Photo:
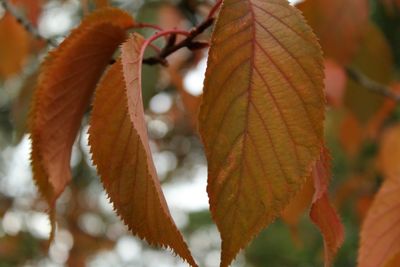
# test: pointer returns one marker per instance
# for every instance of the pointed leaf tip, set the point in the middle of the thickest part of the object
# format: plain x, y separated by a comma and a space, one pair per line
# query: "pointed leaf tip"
322, 213
261, 119
66, 82
120, 150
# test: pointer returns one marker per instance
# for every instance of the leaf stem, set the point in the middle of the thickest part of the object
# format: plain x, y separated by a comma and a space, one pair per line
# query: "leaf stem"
214, 9
171, 47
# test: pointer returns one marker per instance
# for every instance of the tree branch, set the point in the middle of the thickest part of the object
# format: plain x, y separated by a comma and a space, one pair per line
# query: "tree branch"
373, 86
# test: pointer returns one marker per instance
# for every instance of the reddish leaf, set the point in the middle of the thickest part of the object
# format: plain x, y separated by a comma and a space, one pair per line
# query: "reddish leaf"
261, 119
322, 212
339, 24
120, 148
380, 233
67, 80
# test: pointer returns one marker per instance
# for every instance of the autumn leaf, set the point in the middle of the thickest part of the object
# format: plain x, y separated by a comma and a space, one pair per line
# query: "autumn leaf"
297, 207
380, 232
14, 46
21, 105
394, 261
339, 24
389, 153
377, 122
351, 135
261, 119
120, 149
322, 212
66, 83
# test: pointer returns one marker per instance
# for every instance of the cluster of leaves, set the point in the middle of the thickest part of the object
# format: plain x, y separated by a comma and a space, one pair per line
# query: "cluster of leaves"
261, 119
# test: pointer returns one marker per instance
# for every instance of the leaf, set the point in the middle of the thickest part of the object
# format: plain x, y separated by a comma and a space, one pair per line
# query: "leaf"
322, 213
376, 123
351, 135
261, 119
375, 60
14, 46
394, 261
296, 208
335, 83
339, 24
389, 154
380, 232
66, 83
120, 148
20, 108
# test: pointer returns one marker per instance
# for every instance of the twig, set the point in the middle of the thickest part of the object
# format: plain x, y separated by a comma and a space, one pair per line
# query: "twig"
25, 23
371, 85
188, 42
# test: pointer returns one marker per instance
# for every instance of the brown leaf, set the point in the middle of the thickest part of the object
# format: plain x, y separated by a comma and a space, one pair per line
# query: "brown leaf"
66, 83
339, 24
21, 105
322, 212
351, 135
380, 233
120, 148
261, 119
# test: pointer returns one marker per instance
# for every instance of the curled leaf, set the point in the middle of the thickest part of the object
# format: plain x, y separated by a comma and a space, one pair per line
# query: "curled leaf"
66, 83
322, 212
120, 149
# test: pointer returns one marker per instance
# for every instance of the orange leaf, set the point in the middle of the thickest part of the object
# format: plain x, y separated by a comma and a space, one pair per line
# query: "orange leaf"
296, 208
261, 119
120, 148
351, 135
322, 212
394, 261
66, 83
339, 24
14, 46
376, 123
389, 154
380, 233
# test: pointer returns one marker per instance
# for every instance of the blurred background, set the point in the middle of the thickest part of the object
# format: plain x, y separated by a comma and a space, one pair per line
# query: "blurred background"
90, 234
